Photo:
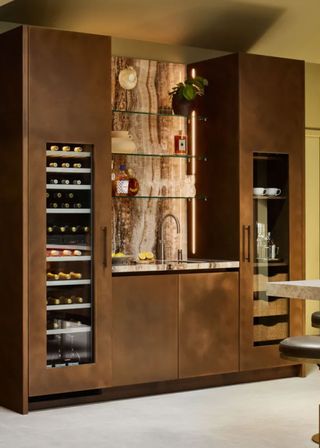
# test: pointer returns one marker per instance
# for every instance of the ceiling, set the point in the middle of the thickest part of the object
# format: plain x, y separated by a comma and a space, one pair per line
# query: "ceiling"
286, 28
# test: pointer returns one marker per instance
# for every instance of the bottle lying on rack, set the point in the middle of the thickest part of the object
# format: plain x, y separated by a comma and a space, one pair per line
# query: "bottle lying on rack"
65, 205
66, 148
63, 253
65, 181
65, 165
60, 195
65, 300
79, 229
64, 276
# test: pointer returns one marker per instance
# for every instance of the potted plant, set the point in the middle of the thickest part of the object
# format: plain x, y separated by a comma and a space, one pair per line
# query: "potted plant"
184, 93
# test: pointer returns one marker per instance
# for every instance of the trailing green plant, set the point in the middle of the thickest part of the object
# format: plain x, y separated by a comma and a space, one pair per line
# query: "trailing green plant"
190, 88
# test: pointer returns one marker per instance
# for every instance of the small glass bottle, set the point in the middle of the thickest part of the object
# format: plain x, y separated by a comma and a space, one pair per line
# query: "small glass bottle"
180, 143
133, 183
122, 182
271, 248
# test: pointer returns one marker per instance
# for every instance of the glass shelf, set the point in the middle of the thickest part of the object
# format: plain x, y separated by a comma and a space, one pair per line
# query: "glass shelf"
271, 264
265, 197
157, 114
141, 154
202, 198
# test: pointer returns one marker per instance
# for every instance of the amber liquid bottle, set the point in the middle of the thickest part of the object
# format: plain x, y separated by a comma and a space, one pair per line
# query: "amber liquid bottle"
133, 183
180, 143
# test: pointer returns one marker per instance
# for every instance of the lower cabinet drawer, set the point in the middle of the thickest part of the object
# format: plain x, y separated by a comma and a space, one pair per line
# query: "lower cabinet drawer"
267, 333
270, 308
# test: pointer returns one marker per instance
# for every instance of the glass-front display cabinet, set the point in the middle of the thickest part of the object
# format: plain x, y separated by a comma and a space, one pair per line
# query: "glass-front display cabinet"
271, 246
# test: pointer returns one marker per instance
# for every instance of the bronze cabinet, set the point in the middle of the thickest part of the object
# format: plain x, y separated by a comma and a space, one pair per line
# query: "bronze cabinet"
145, 329
59, 203
208, 323
254, 138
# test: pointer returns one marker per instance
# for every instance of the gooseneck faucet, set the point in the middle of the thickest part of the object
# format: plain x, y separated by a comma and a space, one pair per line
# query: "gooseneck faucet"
169, 215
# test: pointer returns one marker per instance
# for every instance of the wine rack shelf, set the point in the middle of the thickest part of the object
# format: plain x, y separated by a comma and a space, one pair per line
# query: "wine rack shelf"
68, 282
68, 170
69, 210
68, 154
80, 329
68, 187
74, 306
70, 258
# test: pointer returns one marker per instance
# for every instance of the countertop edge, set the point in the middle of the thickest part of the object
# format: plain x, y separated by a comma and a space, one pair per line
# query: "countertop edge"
176, 268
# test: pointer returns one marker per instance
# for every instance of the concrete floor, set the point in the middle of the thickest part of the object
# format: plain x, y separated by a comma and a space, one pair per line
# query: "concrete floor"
273, 414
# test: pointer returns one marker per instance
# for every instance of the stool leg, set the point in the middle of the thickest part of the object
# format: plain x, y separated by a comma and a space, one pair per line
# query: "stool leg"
316, 437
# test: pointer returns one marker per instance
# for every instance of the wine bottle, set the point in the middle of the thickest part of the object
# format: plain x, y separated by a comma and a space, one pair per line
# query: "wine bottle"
76, 182
54, 181
78, 149
57, 195
86, 229
65, 205
65, 165
77, 205
65, 181
63, 229
53, 205
66, 148
53, 165
74, 229
53, 229
77, 165
47, 195
69, 195
54, 148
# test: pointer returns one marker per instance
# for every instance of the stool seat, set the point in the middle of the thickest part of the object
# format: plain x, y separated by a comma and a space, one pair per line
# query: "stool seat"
302, 347
315, 319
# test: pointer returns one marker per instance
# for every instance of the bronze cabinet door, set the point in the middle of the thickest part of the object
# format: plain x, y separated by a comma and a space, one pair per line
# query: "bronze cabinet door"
271, 226
145, 329
208, 324
69, 105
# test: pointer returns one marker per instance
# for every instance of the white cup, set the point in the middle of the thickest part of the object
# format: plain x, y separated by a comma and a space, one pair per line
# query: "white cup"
259, 191
273, 191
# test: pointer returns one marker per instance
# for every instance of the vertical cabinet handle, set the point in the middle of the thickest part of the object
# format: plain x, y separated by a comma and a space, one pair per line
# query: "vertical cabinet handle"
246, 243
105, 246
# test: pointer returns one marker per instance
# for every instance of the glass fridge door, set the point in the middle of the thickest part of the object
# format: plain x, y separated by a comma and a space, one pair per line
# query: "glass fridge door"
69, 254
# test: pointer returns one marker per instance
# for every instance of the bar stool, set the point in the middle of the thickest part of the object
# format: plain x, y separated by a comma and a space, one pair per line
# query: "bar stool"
302, 349
315, 319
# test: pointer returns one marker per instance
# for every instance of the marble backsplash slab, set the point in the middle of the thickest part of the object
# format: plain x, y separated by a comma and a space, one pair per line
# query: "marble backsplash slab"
136, 221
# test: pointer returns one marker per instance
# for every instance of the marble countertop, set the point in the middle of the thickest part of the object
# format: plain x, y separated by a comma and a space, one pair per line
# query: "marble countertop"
299, 289
170, 266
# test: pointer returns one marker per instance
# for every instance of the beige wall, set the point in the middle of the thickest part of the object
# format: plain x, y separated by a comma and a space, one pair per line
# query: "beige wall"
312, 185
312, 74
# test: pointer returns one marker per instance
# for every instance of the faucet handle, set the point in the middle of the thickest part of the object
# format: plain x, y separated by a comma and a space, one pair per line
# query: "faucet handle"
179, 254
